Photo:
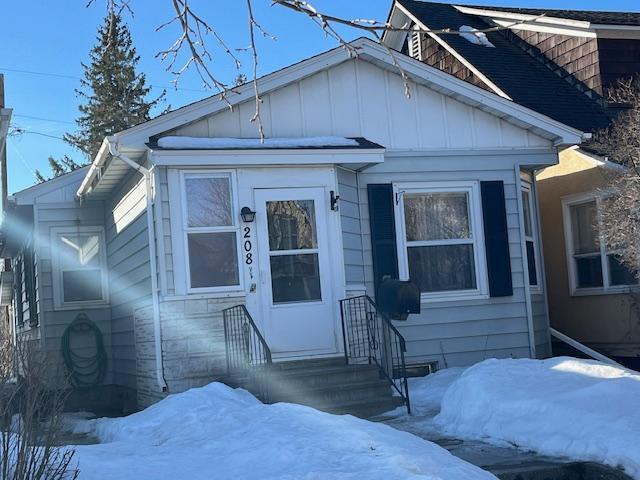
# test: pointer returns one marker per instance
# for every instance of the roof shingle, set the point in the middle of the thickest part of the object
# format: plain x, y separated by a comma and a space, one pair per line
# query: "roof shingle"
517, 73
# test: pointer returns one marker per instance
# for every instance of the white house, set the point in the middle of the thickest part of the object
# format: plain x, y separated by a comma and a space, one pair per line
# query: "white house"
354, 182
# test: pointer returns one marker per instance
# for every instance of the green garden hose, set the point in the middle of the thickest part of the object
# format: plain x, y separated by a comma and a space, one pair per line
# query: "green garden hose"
84, 371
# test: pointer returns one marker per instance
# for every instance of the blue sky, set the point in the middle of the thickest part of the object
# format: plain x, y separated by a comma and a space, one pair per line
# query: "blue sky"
49, 39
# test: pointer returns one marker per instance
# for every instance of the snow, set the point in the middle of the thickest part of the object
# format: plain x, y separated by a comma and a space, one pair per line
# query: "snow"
222, 433
426, 393
173, 142
474, 36
580, 409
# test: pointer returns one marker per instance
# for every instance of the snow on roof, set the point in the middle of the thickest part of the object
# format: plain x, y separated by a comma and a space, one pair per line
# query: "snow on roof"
474, 36
188, 143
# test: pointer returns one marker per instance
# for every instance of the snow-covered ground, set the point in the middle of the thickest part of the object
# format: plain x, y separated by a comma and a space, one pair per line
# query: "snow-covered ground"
563, 407
222, 433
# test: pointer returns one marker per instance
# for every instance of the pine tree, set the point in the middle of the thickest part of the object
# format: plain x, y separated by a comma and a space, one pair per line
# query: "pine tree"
58, 167
114, 94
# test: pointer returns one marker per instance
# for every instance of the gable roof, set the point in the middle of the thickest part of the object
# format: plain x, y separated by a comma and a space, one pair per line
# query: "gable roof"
135, 139
591, 16
514, 72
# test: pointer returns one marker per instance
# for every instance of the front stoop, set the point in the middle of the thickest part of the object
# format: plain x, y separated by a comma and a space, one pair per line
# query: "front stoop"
331, 386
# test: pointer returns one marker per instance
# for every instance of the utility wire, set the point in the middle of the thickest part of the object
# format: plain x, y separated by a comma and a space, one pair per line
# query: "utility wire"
31, 117
73, 77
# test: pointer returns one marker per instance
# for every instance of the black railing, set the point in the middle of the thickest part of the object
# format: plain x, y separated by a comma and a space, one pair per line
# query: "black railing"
247, 352
370, 337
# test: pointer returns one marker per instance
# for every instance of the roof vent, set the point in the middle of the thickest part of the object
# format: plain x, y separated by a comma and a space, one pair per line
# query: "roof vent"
474, 36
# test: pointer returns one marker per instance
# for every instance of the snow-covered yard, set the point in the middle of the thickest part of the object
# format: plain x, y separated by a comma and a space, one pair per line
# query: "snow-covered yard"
561, 407
217, 432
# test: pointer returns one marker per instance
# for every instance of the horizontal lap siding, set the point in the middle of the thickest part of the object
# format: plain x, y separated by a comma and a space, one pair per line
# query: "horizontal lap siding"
351, 230
129, 271
54, 322
461, 332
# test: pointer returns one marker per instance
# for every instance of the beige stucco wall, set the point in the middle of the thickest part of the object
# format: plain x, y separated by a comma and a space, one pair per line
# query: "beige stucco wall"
610, 323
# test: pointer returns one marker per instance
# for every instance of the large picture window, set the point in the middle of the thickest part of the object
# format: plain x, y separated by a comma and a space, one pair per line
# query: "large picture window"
80, 265
440, 239
210, 227
594, 267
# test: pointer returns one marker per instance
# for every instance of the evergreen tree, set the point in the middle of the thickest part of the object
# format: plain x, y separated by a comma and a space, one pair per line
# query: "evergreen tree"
58, 167
114, 94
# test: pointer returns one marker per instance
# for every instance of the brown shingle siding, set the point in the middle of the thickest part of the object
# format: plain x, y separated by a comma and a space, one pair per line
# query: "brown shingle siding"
575, 55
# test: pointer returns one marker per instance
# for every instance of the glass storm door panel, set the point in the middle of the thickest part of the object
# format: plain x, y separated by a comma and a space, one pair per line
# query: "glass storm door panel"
293, 251
295, 275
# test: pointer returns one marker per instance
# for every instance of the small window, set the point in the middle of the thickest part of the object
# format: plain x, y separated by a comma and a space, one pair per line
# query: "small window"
594, 267
211, 231
442, 249
80, 264
530, 236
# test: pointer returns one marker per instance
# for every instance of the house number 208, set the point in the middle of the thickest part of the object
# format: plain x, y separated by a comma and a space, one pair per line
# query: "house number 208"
248, 257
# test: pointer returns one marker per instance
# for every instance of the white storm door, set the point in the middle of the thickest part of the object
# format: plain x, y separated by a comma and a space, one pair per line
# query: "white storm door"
295, 271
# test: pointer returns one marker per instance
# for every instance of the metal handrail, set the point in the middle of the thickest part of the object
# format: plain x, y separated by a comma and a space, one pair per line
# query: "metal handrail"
247, 352
583, 348
370, 337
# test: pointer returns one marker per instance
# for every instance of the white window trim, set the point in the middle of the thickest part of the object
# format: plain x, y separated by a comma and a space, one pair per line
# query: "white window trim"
477, 233
607, 288
535, 237
58, 293
184, 230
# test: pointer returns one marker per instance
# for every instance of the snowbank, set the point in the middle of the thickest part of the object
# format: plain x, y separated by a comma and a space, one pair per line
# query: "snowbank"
581, 409
426, 393
250, 143
222, 433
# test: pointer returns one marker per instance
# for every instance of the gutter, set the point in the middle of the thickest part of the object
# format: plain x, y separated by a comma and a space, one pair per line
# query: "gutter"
148, 181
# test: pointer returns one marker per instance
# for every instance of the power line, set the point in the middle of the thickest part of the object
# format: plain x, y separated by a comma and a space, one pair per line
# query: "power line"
31, 117
20, 130
73, 77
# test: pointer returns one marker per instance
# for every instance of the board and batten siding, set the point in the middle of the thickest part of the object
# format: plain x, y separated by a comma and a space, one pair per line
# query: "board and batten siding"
127, 241
464, 331
359, 99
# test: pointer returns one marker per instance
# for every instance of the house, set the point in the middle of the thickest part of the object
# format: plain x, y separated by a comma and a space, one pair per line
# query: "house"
560, 63
190, 244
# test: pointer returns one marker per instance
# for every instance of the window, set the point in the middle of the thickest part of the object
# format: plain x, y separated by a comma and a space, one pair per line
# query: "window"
440, 239
80, 265
210, 225
594, 267
530, 236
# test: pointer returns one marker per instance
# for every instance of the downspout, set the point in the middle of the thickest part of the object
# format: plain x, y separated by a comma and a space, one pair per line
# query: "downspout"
157, 334
525, 265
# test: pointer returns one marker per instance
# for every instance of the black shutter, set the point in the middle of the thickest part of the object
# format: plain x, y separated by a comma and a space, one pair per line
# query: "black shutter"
496, 239
383, 232
30, 284
18, 290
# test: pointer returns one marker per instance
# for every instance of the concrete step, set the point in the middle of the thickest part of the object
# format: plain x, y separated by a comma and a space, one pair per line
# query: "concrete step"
366, 409
319, 377
328, 395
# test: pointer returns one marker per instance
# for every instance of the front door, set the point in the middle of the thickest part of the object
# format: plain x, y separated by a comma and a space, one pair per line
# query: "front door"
295, 271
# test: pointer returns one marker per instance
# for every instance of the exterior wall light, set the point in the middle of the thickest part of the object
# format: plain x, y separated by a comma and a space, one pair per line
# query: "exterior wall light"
248, 215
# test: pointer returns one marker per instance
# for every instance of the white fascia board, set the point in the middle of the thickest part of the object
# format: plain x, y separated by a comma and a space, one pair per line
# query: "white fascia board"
453, 52
397, 19
215, 158
480, 98
522, 17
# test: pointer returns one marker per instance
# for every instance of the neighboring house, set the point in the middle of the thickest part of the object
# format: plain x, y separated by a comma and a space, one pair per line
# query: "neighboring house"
6, 278
189, 214
559, 63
